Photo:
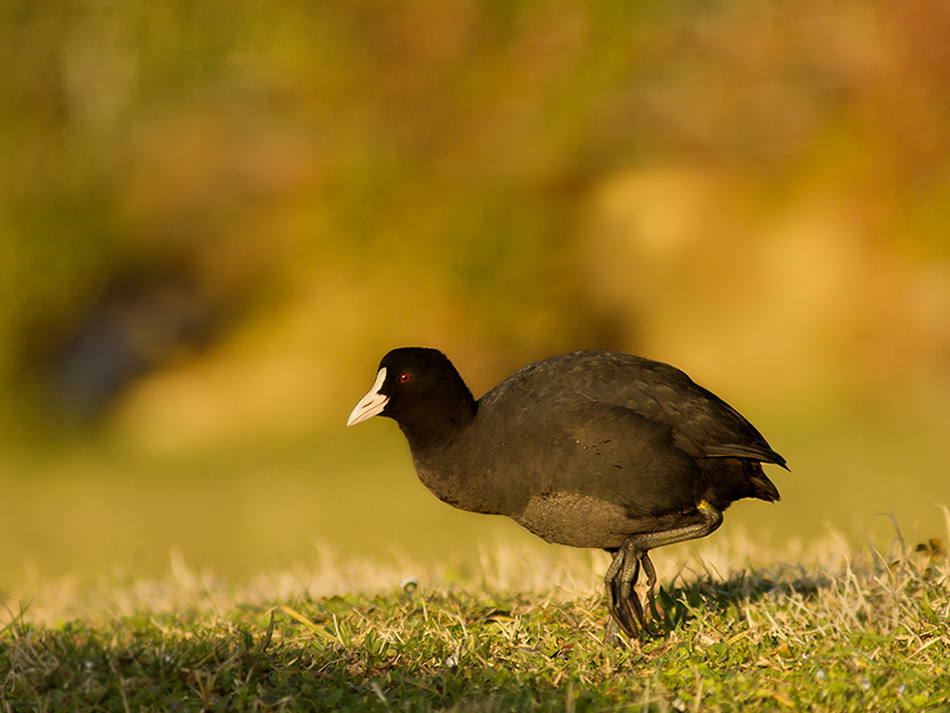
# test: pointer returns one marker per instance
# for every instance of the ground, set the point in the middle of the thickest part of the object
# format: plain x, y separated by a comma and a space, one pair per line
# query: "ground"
834, 630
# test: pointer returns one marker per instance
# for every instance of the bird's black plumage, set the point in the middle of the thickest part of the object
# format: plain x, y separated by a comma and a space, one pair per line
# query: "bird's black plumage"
590, 449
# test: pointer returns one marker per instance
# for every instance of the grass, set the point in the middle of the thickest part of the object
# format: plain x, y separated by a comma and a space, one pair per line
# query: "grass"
738, 629
84, 509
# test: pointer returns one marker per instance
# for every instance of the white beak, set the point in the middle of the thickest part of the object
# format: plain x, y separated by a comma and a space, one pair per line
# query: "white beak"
372, 403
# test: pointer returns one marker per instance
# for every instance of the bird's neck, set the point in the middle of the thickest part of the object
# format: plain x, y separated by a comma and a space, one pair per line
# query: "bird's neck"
440, 427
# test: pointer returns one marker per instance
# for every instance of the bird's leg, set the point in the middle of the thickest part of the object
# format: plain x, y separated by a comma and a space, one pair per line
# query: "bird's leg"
615, 599
625, 568
626, 611
629, 601
650, 571
612, 635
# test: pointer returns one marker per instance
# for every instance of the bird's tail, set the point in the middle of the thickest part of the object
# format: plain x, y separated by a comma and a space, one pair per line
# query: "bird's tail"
763, 488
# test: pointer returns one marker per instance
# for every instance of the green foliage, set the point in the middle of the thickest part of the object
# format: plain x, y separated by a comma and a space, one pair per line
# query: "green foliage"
456, 148
870, 636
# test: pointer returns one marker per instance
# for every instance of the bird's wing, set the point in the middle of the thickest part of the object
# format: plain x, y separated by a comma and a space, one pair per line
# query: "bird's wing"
703, 425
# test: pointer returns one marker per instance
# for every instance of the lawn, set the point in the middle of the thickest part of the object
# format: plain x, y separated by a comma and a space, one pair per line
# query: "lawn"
408, 604
826, 627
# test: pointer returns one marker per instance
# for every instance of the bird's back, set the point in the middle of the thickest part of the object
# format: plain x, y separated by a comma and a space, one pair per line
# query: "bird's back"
621, 424
703, 425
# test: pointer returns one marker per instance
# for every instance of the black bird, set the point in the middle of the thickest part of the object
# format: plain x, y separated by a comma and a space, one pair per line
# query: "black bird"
590, 449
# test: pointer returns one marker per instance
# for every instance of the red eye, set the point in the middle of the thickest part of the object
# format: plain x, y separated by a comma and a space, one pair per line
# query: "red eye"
404, 378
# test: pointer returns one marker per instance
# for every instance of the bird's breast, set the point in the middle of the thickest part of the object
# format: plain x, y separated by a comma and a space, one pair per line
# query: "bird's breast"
466, 485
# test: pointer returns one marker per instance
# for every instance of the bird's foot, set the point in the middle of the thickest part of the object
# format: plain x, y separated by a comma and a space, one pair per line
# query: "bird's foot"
616, 638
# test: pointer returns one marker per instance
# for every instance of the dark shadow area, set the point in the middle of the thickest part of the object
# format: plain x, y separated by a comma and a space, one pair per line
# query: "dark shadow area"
145, 316
347, 664
672, 607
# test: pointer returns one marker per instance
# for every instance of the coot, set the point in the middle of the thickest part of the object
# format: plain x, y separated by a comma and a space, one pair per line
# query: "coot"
590, 449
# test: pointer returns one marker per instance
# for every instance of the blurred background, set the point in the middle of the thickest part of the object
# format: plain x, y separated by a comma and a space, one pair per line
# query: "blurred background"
215, 218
